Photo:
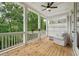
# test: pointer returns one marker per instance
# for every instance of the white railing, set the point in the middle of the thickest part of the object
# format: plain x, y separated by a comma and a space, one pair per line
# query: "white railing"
43, 33
35, 34
12, 39
32, 35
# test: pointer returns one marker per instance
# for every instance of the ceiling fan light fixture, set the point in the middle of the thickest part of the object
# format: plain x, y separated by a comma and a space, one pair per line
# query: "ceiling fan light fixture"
48, 9
49, 6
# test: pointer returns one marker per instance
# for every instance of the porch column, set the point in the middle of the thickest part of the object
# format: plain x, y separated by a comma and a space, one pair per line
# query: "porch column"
39, 25
75, 25
75, 18
47, 26
74, 30
24, 25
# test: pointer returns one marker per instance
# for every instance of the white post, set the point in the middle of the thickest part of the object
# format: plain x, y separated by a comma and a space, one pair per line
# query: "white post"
46, 26
39, 27
24, 24
74, 30
75, 23
38, 21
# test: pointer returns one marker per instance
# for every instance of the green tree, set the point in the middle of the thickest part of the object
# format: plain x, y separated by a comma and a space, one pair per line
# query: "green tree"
12, 16
33, 21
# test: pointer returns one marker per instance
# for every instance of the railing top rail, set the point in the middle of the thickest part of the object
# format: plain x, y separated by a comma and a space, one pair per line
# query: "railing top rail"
29, 32
12, 33
20, 32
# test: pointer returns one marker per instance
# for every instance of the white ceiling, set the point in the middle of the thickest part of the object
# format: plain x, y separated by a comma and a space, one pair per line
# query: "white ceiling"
62, 7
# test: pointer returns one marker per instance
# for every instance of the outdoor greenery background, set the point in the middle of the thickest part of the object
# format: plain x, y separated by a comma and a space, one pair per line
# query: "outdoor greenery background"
33, 22
11, 18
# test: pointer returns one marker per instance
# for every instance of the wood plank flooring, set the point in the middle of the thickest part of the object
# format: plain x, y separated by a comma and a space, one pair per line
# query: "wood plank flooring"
43, 47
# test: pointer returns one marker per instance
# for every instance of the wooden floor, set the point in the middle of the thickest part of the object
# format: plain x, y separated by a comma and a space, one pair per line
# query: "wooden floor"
43, 47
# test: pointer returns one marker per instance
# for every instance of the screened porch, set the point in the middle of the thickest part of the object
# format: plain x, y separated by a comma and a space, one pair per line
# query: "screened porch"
28, 30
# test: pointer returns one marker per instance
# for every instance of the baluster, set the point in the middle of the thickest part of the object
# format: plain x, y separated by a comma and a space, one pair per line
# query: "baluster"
17, 39
20, 38
2, 42
5, 41
35, 35
14, 39
28, 36
9, 40
25, 36
31, 36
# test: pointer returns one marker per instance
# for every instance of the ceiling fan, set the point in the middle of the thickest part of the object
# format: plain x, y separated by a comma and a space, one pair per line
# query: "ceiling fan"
49, 6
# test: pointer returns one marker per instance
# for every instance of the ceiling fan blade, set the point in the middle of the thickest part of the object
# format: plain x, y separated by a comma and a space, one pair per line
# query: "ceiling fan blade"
48, 4
51, 3
43, 9
54, 7
43, 6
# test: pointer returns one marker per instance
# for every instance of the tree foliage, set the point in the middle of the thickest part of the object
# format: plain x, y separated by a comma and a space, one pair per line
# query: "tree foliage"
11, 19
32, 21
